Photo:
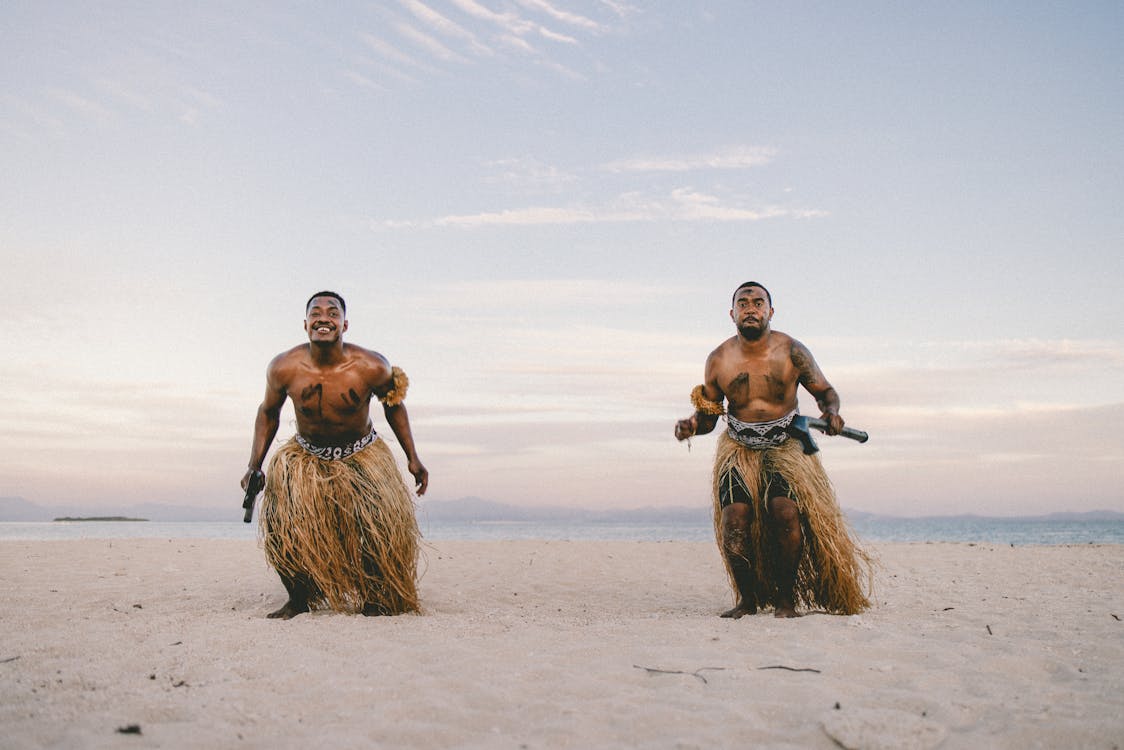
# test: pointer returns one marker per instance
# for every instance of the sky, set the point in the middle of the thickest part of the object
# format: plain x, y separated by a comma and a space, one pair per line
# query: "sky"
539, 210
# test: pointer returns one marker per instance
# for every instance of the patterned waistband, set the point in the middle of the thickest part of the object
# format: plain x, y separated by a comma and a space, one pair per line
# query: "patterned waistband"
759, 436
336, 452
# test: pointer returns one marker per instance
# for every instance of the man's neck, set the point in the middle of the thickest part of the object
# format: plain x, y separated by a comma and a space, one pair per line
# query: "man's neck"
325, 355
751, 345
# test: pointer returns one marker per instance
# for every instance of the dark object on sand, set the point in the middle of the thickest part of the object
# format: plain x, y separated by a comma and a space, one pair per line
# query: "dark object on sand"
253, 487
130, 729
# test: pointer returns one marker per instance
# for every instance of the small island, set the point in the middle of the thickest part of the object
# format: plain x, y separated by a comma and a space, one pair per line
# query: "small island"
99, 518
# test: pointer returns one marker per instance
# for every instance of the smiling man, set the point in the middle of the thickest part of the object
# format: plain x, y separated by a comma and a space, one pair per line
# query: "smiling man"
337, 520
782, 536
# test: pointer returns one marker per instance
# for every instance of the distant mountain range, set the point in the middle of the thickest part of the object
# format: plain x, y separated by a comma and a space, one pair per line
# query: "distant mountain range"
19, 509
463, 510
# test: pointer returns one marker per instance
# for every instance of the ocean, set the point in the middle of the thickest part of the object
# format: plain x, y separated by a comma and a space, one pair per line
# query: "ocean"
1016, 531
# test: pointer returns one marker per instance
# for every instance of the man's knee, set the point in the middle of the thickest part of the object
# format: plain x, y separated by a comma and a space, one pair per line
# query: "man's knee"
783, 511
737, 515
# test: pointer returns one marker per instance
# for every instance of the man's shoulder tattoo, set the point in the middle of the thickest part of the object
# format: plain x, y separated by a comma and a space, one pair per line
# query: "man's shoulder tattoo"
802, 359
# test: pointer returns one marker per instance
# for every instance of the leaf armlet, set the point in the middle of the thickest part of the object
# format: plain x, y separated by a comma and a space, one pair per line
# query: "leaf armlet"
703, 404
397, 394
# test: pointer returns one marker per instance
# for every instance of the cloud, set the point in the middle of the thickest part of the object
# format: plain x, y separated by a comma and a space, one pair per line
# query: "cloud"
622, 10
735, 157
518, 294
534, 216
390, 52
362, 81
429, 44
554, 36
125, 94
515, 27
27, 121
444, 26
85, 107
682, 204
696, 206
561, 15
468, 29
527, 172
895, 382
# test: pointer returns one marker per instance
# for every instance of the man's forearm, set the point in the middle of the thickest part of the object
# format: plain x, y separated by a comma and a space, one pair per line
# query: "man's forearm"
265, 429
399, 420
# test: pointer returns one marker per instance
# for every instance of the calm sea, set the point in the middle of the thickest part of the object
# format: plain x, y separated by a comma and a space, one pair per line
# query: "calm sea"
991, 530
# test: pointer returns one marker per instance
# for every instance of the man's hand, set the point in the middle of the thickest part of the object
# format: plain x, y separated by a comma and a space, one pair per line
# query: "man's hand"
686, 428
246, 478
834, 422
420, 474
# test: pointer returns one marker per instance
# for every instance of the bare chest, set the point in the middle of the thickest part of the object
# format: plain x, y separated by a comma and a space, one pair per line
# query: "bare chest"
749, 382
329, 396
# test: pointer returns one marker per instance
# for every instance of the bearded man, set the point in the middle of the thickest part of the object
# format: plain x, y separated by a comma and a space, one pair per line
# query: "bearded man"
783, 538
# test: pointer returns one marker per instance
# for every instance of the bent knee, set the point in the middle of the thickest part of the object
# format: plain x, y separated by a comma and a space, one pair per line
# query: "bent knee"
736, 515
783, 510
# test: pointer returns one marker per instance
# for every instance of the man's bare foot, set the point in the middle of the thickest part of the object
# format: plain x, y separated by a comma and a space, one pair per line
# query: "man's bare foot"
785, 610
740, 611
370, 609
288, 611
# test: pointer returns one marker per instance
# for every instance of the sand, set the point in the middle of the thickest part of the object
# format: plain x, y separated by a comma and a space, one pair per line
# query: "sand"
558, 644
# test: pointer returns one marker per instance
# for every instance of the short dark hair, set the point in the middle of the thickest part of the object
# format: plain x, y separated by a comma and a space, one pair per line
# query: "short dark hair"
744, 284
343, 305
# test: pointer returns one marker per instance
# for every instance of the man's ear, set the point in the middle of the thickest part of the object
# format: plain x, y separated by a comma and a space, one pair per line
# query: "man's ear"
344, 326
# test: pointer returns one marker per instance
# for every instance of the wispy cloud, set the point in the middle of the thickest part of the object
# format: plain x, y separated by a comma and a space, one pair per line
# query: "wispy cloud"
192, 102
558, 14
516, 294
429, 44
514, 26
682, 204
695, 206
735, 157
456, 32
125, 94
621, 9
393, 62
362, 81
905, 380
28, 120
528, 173
444, 26
535, 215
87, 108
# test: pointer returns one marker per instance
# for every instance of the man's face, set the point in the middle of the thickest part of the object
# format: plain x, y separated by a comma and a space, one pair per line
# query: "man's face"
751, 312
325, 321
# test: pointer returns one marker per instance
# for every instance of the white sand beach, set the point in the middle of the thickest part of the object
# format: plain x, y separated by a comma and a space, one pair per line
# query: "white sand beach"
558, 644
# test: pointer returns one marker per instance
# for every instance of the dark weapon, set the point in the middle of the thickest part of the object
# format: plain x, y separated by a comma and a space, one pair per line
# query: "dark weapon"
799, 429
253, 487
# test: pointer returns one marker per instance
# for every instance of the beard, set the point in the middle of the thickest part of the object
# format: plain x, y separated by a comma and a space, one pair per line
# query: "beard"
752, 332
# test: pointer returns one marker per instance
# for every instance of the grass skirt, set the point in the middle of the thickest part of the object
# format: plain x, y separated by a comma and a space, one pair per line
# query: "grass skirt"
346, 528
834, 572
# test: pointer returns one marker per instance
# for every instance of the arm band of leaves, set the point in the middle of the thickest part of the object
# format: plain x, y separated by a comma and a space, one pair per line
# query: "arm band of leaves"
703, 404
397, 394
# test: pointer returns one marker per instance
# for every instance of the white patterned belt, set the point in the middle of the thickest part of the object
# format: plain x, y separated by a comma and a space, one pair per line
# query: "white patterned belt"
336, 452
759, 436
